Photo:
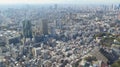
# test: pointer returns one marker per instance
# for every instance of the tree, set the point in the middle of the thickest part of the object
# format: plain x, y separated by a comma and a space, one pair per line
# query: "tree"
116, 64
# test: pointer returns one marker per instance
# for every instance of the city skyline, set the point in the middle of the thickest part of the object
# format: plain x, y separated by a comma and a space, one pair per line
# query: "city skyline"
50, 33
59, 2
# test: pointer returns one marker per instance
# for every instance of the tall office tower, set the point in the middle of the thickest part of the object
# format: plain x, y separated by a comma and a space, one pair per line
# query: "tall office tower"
59, 24
43, 27
119, 6
52, 31
113, 7
55, 6
27, 29
118, 16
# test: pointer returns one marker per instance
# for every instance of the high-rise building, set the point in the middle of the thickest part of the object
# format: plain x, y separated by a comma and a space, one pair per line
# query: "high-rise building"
52, 31
27, 29
58, 23
119, 6
41, 30
43, 27
55, 6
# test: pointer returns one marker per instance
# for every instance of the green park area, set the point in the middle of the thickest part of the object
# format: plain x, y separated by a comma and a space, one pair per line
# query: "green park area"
108, 39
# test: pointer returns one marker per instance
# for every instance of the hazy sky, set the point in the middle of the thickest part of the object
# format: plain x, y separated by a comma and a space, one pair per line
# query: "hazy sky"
59, 1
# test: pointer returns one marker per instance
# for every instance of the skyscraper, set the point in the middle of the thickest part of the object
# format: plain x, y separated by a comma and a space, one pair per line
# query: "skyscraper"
59, 23
27, 29
43, 27
55, 6
41, 30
